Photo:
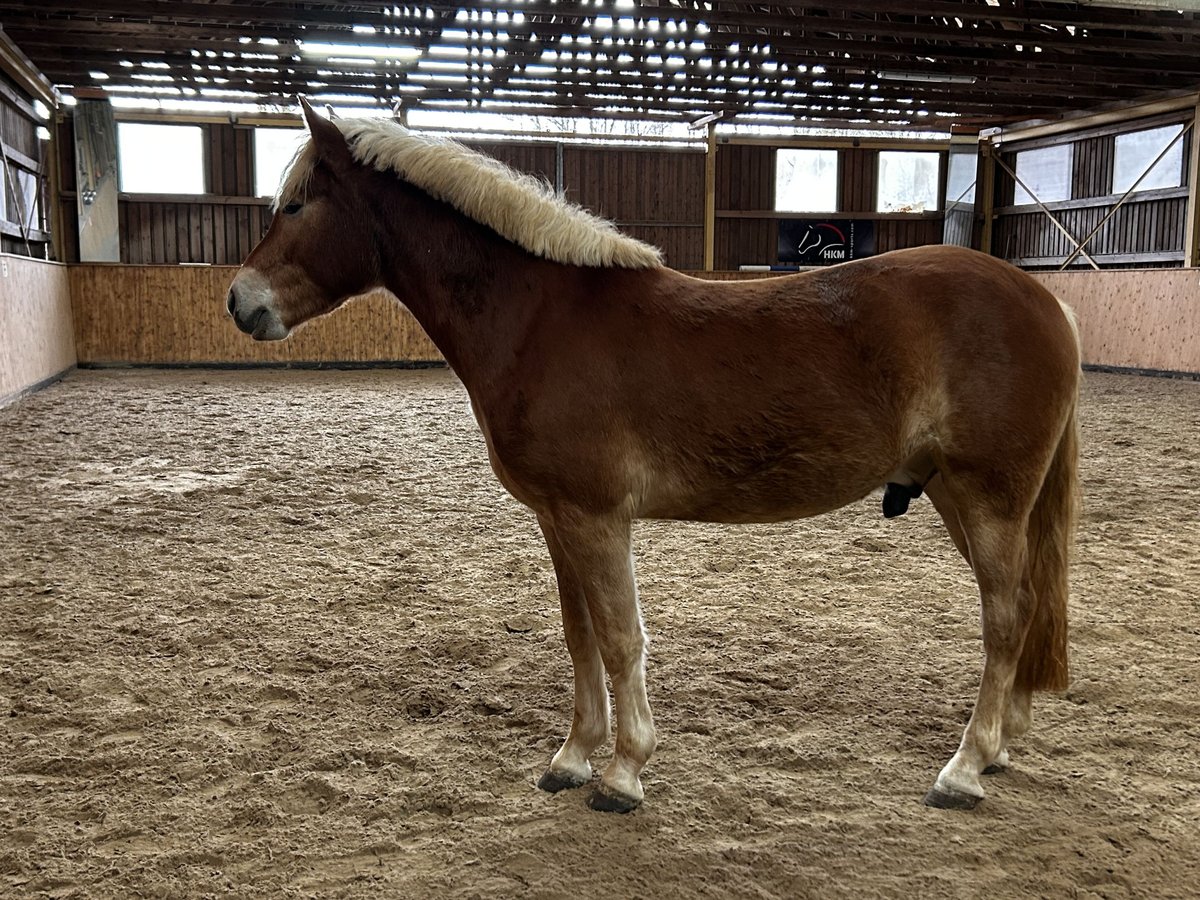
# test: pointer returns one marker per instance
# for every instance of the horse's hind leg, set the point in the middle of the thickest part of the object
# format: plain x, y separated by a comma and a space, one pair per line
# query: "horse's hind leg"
935, 489
1018, 713
1017, 719
589, 726
998, 550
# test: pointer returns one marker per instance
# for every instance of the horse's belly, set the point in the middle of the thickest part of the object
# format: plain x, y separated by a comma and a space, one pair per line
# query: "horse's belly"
777, 495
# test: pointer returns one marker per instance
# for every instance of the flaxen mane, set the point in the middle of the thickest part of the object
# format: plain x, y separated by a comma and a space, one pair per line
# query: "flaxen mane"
520, 208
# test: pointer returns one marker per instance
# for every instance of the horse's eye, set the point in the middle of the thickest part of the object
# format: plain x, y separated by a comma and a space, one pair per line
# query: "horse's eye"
292, 208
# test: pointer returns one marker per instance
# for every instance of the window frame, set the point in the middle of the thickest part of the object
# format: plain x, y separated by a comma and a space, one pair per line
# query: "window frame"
938, 188
1176, 144
965, 198
1069, 147
837, 181
205, 187
299, 132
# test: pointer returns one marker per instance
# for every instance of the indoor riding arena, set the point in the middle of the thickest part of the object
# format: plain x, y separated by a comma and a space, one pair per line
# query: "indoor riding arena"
271, 625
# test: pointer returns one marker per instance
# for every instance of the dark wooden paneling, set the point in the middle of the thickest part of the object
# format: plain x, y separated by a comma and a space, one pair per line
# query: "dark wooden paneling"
174, 231
742, 242
1092, 167
897, 234
745, 181
654, 195
745, 177
1152, 229
24, 222
858, 170
533, 159
216, 159
959, 225
1147, 230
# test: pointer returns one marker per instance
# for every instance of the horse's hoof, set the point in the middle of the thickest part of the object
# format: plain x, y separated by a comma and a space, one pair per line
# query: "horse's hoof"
552, 782
602, 801
950, 799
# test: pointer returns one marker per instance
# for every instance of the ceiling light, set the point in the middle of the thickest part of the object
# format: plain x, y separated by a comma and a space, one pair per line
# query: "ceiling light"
377, 52
927, 77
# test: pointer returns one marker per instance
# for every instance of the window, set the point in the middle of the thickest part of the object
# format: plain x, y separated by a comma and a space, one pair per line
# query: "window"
806, 180
21, 206
1047, 171
908, 181
273, 150
1136, 150
960, 178
160, 159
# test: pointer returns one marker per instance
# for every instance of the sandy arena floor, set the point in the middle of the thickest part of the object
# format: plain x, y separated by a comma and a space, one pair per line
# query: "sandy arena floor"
281, 634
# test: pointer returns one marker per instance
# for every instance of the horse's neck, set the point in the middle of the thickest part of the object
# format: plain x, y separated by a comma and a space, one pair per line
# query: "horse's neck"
473, 293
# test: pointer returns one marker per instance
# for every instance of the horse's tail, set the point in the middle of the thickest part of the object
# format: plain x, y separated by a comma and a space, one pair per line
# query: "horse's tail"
1043, 663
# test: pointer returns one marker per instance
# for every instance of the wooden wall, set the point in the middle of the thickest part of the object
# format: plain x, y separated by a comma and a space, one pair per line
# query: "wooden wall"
219, 227
175, 315
1148, 230
216, 230
655, 195
172, 315
747, 227
24, 226
36, 339
1142, 319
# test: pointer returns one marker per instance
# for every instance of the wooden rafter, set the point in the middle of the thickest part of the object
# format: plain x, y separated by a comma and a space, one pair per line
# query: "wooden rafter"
961, 60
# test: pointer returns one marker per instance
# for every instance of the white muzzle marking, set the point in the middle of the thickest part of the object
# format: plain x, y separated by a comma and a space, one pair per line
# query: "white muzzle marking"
252, 305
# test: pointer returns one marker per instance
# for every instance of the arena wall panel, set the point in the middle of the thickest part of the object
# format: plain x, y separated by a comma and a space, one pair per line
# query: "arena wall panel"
36, 338
1142, 319
175, 315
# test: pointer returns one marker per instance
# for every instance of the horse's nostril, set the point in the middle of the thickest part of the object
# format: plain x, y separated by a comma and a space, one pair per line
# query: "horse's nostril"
231, 302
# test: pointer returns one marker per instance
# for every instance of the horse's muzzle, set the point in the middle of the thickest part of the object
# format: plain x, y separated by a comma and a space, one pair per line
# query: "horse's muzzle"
251, 322
245, 318
252, 308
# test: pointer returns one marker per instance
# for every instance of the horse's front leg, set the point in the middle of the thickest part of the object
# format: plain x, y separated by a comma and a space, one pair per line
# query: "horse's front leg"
589, 725
597, 551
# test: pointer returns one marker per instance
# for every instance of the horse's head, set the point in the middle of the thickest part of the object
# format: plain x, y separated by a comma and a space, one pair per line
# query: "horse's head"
319, 250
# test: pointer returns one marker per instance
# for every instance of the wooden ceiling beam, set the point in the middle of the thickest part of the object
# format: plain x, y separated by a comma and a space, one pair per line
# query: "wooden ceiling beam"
1106, 67
76, 70
1061, 75
1020, 13
811, 32
1126, 53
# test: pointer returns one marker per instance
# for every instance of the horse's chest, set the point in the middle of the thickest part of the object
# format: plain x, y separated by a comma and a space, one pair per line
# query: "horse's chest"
505, 453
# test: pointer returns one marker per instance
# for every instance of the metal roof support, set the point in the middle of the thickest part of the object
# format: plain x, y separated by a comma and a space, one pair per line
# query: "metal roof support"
1049, 215
1133, 187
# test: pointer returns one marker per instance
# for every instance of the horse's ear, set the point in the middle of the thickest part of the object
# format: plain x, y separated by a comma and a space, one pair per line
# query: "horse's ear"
327, 138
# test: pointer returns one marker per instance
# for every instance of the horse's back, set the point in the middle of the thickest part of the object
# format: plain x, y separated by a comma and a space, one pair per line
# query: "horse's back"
929, 324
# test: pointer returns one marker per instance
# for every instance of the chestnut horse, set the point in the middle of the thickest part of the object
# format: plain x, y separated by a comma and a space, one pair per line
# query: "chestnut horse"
610, 388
